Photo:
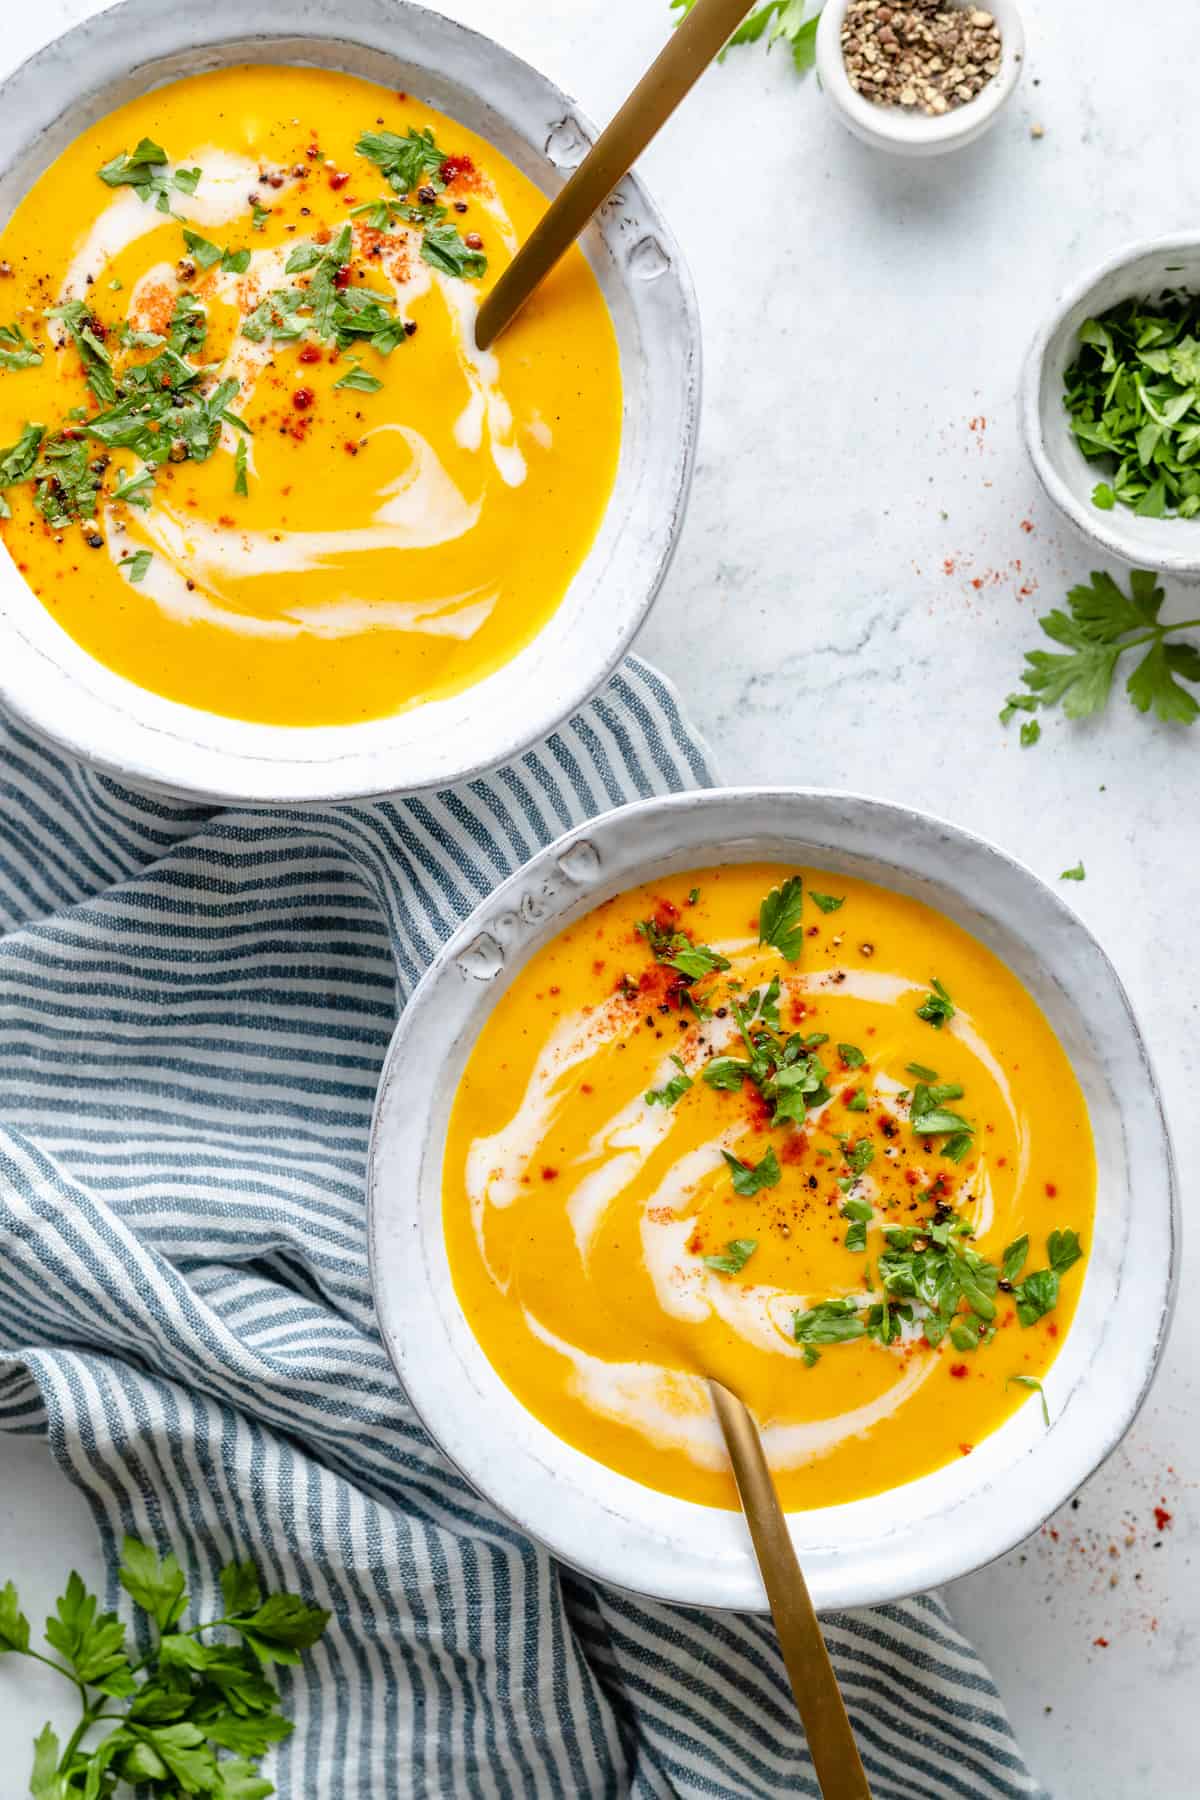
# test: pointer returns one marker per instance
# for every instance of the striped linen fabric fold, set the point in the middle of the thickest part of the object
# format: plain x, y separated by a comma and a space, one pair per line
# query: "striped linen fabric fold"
194, 1006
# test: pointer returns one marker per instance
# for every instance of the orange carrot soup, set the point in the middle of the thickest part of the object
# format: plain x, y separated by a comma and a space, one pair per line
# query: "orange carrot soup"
788, 1129
250, 456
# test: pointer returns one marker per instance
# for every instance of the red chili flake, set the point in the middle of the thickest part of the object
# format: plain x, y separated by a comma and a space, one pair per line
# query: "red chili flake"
1052, 1330
456, 166
1100, 1643
350, 447
1026, 524
959, 1372
794, 1148
342, 278
585, 1087
848, 1093
949, 565
666, 915
549, 1174
1162, 1518
977, 583
965, 1449
556, 990
303, 398
338, 178
310, 354
1051, 1190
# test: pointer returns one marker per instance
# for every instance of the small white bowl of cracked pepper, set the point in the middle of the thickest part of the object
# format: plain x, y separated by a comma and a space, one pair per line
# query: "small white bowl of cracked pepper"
919, 77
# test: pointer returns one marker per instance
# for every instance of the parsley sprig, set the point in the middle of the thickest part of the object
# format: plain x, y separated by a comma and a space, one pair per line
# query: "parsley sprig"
790, 22
1102, 625
190, 1716
144, 169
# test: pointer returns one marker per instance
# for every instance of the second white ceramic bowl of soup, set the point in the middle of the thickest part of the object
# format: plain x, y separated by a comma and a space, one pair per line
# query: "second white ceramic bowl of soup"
895, 1542
67, 696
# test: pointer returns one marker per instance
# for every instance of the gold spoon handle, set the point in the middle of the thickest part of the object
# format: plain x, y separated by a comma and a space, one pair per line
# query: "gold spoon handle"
691, 48
822, 1711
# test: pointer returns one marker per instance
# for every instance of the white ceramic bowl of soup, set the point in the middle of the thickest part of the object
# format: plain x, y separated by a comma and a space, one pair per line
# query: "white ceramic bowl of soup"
902, 1540
67, 697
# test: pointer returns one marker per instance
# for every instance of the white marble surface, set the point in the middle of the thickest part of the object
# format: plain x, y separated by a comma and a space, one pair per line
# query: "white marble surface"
823, 623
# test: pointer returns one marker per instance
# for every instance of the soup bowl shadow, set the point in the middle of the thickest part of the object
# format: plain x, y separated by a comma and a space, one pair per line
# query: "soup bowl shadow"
873, 1550
67, 698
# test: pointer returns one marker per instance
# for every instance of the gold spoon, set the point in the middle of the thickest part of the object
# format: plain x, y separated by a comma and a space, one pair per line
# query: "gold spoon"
674, 71
831, 1742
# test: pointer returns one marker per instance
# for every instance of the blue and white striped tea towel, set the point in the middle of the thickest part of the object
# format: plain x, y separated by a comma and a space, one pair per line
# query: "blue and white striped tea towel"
194, 1007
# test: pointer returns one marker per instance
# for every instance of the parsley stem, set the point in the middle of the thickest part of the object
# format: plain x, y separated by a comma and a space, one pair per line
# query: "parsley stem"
73, 1679
91, 1716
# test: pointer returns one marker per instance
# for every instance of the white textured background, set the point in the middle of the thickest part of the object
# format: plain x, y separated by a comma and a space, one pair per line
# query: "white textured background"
824, 623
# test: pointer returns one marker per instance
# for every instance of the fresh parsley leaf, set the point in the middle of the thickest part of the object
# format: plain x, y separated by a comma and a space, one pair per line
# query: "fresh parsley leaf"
1013, 1260
725, 1072
1078, 873
1031, 731
361, 380
937, 1009
281, 1627
921, 1071
928, 1113
860, 1156
785, 21
156, 1584
750, 1178
235, 262
779, 919
829, 1322
14, 1626
733, 1259
1063, 1250
858, 1102
92, 1643
851, 1055
860, 1213
674, 1090
443, 247
1031, 1381
45, 1782
259, 217
241, 479
240, 1588
83, 331
137, 565
826, 902
406, 161
204, 254
135, 489
1036, 1296
138, 168
812, 1356
16, 350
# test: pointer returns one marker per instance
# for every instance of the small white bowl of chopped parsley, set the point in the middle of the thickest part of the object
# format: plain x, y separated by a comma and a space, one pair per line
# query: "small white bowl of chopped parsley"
1110, 406
919, 77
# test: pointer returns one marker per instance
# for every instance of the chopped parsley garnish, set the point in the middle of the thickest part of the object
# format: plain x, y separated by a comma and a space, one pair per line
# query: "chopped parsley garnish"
259, 217
1133, 397
733, 1259
203, 253
135, 489
930, 1116
324, 307
779, 919
937, 1008
786, 1072
750, 1178
360, 379
407, 162
858, 1101
1031, 1381
144, 169
829, 1322
17, 462
16, 350
135, 566
1013, 1260
444, 248
241, 482
827, 902
1078, 873
860, 1213
96, 359
674, 1090
860, 1156
851, 1055
921, 1071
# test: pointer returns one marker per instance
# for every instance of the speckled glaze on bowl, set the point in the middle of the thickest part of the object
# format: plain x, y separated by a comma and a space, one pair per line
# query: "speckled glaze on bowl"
901, 129
873, 1550
66, 697
1172, 546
